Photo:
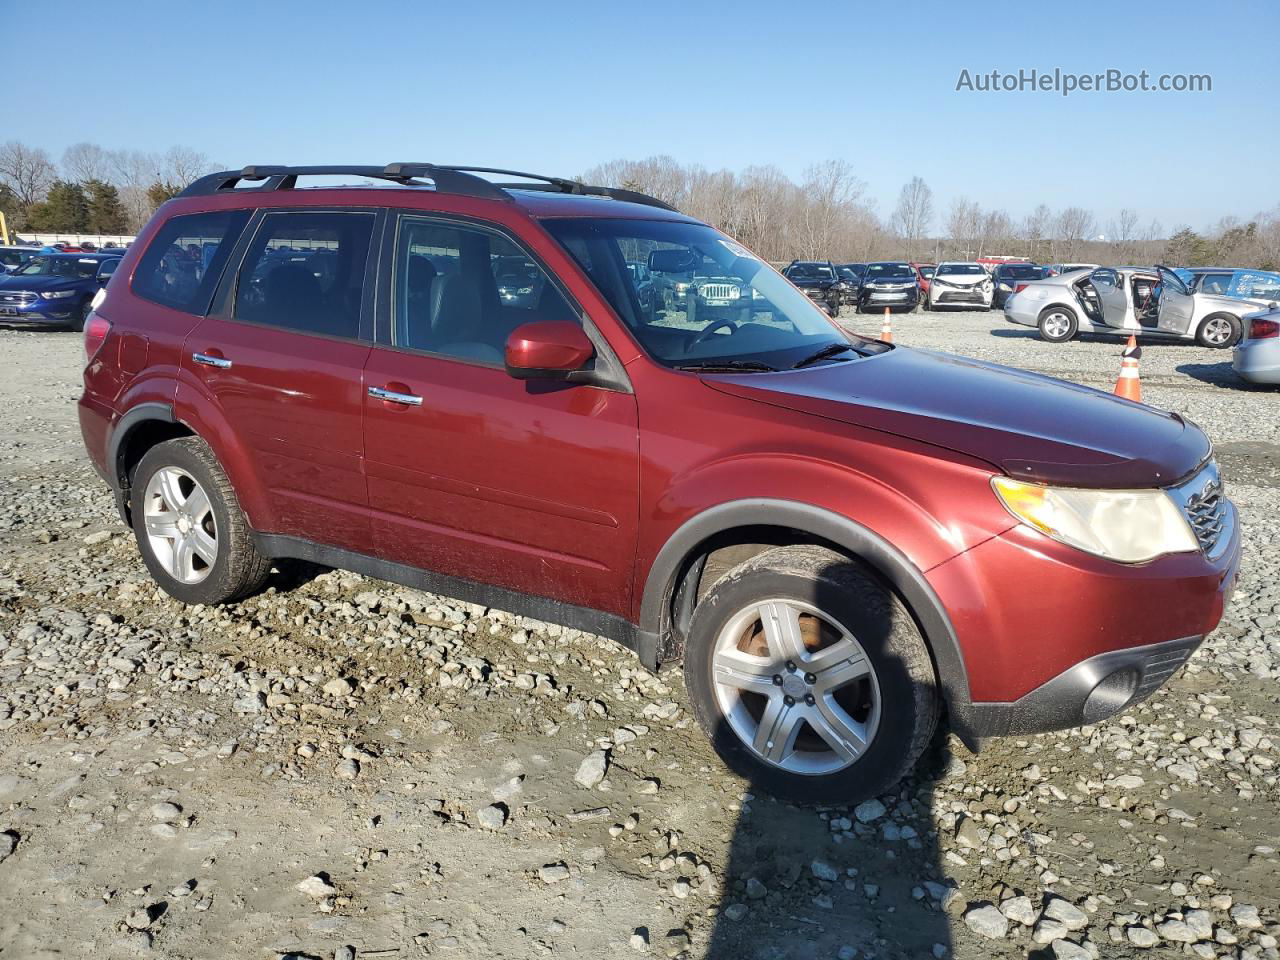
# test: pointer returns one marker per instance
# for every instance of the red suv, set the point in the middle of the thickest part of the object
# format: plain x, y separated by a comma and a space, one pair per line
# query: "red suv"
460, 385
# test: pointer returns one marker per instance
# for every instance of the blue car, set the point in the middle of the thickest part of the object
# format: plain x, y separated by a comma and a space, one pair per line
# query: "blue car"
1240, 284
55, 289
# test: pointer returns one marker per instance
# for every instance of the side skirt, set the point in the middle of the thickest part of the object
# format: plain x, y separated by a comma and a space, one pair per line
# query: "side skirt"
643, 643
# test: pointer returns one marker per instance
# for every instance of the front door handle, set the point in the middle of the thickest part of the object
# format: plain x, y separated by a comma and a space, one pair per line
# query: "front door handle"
382, 393
222, 363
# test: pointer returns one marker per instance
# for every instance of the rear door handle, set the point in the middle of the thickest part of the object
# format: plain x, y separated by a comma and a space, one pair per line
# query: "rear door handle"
222, 363
382, 393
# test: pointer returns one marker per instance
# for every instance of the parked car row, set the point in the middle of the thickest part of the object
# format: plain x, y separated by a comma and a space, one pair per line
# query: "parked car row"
55, 289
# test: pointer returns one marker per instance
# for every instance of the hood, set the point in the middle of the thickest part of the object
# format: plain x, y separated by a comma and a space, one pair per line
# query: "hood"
10, 281
962, 279
1025, 424
812, 281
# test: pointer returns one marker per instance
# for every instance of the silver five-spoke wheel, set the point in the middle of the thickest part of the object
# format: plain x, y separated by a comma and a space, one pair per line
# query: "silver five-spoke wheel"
796, 687
1217, 331
180, 525
1057, 325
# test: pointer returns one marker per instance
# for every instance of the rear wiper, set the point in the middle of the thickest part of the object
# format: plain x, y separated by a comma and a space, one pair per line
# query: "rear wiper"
830, 350
728, 365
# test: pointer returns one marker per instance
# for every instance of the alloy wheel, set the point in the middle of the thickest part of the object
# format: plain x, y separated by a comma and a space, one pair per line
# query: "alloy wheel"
1057, 325
796, 687
181, 528
1217, 331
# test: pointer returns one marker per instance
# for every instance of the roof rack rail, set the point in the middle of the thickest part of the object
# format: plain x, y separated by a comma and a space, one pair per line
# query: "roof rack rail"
447, 179
286, 178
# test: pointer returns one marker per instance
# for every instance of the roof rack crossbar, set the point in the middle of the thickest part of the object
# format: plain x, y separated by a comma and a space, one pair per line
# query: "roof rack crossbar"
447, 179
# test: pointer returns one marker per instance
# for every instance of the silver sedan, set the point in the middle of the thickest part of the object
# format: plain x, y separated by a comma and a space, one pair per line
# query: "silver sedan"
1257, 356
1149, 301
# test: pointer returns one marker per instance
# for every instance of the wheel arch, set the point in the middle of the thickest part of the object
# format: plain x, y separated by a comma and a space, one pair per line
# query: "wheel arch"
669, 588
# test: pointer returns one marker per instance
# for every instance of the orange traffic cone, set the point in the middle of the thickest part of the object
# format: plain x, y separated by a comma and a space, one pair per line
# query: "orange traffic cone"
886, 328
1128, 385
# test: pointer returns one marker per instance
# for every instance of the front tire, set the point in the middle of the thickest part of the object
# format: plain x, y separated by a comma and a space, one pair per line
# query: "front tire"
190, 530
82, 316
810, 677
1218, 331
1057, 324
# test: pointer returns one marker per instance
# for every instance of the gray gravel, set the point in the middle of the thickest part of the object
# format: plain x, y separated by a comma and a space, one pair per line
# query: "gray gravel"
339, 767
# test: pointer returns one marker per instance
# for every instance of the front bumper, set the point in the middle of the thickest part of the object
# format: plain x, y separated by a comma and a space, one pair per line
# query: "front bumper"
872, 299
1053, 637
958, 297
41, 311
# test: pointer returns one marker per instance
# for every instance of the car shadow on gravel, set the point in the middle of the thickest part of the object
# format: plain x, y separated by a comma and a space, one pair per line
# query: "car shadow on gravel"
1222, 375
806, 883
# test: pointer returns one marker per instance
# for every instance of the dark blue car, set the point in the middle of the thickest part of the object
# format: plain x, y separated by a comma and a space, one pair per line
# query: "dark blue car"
55, 289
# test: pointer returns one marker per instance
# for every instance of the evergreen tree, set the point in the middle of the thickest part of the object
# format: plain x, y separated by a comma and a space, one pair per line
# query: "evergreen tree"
65, 210
1186, 248
106, 212
160, 192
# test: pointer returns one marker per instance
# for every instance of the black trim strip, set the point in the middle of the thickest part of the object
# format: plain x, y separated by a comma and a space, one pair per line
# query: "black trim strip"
645, 645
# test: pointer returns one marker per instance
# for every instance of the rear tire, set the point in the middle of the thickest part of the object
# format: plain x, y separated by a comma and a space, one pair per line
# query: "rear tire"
190, 530
810, 677
1218, 331
1057, 324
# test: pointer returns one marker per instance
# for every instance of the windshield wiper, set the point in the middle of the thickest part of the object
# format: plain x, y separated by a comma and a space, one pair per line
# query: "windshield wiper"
731, 366
830, 350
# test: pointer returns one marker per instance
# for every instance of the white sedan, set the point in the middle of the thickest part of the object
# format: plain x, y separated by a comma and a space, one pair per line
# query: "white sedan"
960, 283
1149, 301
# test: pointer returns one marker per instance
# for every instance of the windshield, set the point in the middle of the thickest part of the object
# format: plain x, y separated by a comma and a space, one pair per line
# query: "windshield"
809, 271
708, 301
1021, 271
857, 269
59, 267
960, 269
1255, 284
890, 271
926, 272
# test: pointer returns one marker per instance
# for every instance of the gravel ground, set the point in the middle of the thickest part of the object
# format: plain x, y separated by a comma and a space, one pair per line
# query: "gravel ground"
342, 768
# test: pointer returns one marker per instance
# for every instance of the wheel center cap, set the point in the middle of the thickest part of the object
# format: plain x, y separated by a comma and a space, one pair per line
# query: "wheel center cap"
793, 686
184, 525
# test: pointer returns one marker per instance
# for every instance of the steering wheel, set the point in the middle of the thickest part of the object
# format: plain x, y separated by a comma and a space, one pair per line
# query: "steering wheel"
712, 328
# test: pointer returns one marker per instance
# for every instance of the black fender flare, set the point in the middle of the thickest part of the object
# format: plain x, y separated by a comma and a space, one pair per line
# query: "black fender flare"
136, 416
859, 541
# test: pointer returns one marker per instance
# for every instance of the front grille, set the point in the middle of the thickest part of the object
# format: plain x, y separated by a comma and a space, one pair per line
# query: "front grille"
719, 291
18, 299
1207, 509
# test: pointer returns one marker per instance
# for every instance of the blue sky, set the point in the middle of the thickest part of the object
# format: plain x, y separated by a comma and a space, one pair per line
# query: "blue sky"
557, 87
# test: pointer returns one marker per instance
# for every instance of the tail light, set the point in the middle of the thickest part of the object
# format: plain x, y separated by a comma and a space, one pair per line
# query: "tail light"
96, 329
1264, 329
1019, 287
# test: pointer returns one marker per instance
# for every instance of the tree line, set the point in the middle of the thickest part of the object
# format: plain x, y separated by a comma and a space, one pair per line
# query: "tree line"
826, 214
91, 189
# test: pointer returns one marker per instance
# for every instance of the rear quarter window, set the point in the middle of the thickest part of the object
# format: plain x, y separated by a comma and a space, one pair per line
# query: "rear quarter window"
182, 265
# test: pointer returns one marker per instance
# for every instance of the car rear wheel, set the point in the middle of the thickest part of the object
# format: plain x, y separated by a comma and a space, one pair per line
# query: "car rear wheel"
1218, 331
1057, 324
190, 530
810, 677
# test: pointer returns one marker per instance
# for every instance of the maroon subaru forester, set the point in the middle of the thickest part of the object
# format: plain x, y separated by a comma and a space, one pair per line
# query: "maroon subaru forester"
577, 404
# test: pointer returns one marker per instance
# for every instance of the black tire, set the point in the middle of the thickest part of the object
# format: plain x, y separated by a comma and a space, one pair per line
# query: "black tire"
1051, 331
77, 325
1207, 334
238, 569
847, 593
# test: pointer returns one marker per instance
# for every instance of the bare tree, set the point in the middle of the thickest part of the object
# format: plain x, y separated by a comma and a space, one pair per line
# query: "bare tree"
1124, 236
27, 171
1074, 225
82, 162
913, 214
962, 226
1035, 228
994, 230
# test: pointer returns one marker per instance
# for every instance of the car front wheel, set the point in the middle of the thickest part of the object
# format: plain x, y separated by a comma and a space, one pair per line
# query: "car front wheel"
1057, 324
82, 316
190, 530
810, 677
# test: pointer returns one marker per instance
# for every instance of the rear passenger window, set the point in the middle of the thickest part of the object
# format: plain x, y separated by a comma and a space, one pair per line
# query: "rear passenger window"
182, 265
459, 291
306, 272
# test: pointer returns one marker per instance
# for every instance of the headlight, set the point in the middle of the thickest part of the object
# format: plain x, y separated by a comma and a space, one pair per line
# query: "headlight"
1128, 526
57, 294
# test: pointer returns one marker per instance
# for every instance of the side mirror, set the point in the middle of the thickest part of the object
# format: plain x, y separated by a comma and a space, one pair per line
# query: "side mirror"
547, 350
